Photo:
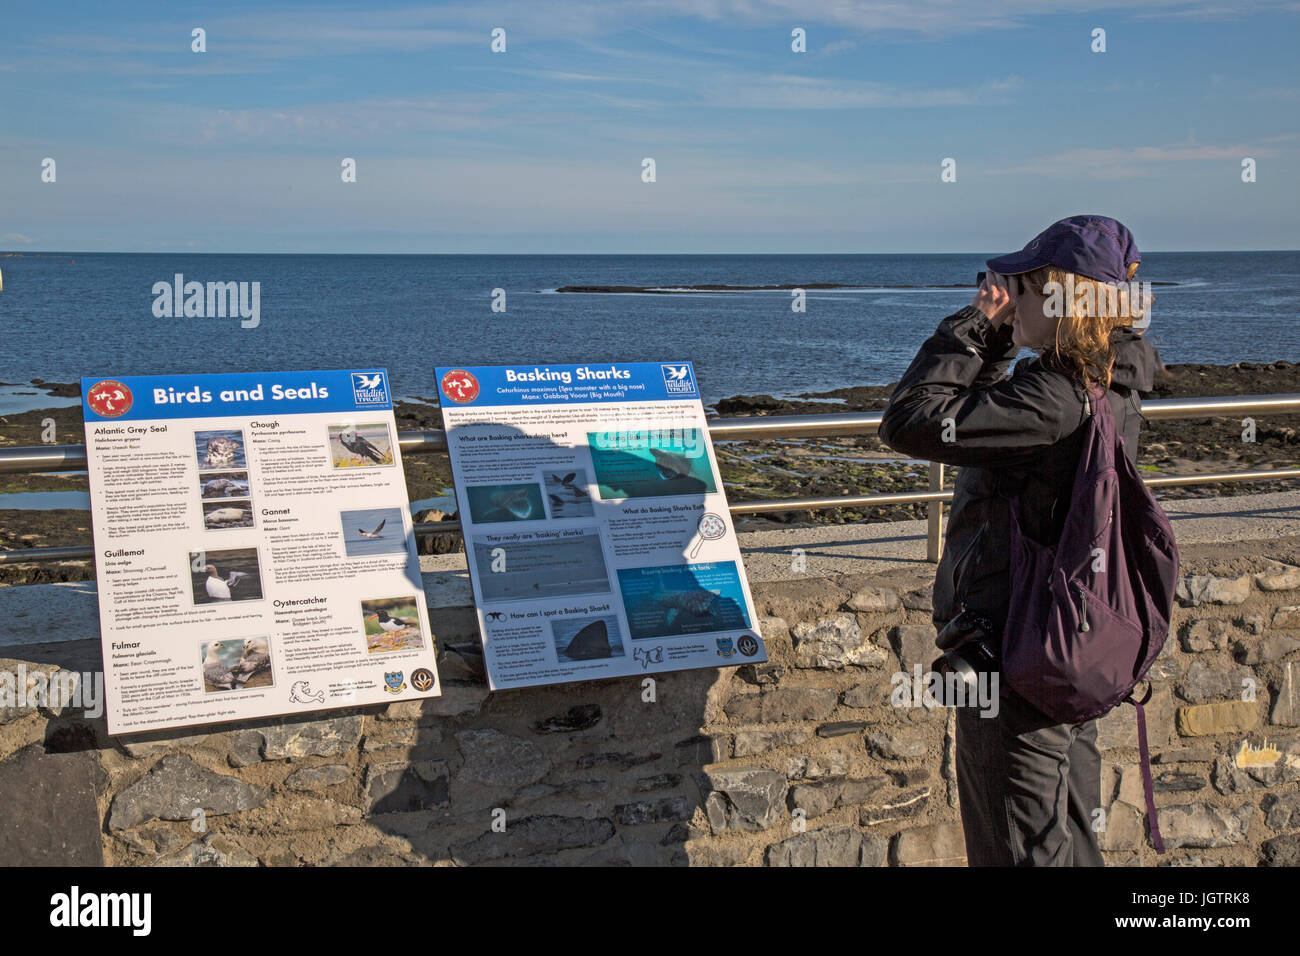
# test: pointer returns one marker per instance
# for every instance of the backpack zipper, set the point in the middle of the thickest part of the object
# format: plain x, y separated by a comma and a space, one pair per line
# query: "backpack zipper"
1083, 601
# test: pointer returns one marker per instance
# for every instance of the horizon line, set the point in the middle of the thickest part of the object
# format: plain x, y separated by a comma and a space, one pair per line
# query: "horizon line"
16, 253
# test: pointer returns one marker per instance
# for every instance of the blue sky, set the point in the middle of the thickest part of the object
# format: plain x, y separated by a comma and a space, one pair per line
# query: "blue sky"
539, 149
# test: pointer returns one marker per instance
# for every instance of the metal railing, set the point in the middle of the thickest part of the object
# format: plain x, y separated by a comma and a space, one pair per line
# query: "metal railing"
56, 458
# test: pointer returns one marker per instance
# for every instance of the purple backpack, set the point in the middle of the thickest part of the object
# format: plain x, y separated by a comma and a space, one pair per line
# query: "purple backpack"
1088, 617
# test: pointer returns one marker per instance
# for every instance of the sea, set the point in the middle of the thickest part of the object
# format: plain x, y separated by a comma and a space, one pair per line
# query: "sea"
65, 315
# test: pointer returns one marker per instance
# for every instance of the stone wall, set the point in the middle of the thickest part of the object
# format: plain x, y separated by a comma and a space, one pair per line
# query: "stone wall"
800, 761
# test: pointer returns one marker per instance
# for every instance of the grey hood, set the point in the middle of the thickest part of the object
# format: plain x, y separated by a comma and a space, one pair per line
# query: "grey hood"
1135, 360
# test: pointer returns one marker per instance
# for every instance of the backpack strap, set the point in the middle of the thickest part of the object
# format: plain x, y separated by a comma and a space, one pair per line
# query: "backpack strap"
1147, 786
1135, 400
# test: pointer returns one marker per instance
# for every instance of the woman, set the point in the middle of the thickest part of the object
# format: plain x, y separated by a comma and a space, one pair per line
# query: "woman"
1030, 789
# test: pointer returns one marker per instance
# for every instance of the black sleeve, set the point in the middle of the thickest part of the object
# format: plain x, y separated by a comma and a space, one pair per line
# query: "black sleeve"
956, 389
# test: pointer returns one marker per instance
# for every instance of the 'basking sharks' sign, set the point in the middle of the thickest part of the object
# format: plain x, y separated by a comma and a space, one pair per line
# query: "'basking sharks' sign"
597, 531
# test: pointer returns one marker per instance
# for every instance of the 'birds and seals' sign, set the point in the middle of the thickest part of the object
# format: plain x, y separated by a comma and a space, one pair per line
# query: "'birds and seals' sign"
255, 554
596, 528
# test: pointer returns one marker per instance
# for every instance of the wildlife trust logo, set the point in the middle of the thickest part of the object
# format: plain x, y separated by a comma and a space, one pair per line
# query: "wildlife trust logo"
678, 379
460, 386
109, 398
369, 388
422, 679
393, 682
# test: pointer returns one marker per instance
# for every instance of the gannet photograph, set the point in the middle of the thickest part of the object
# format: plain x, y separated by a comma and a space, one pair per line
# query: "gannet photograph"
224, 484
368, 531
566, 493
227, 514
235, 664
360, 445
391, 624
222, 448
221, 576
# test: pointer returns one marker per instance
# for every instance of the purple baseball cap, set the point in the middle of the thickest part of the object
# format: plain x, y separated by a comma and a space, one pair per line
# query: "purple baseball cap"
1094, 246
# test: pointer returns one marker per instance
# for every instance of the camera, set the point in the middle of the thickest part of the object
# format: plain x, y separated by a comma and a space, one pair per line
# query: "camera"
971, 645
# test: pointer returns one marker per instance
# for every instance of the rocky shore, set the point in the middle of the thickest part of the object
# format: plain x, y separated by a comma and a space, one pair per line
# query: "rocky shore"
774, 468
788, 468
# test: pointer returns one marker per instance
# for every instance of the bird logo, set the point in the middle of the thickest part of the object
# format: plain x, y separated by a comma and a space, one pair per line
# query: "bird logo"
460, 386
109, 398
369, 388
678, 379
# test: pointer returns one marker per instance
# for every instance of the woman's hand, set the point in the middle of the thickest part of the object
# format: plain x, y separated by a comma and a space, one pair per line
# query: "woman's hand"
994, 300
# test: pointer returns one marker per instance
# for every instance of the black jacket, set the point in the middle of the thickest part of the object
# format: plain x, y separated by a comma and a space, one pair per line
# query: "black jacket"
1021, 432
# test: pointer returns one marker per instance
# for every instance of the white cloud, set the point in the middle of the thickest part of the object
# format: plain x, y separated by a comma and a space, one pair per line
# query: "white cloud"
271, 36
785, 91
1125, 162
347, 122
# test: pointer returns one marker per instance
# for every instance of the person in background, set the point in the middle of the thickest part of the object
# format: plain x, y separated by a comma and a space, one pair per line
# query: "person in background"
1029, 789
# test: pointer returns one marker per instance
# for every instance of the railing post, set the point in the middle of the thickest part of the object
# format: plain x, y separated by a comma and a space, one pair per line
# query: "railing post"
934, 516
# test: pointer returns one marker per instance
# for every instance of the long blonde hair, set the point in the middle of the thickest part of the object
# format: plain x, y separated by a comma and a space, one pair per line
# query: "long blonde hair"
1089, 315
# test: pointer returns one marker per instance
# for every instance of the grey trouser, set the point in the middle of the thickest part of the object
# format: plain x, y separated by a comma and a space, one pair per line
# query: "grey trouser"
1028, 787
